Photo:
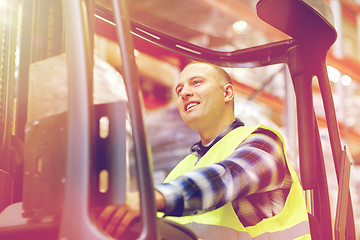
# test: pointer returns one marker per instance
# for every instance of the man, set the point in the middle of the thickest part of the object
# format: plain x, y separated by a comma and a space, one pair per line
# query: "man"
236, 183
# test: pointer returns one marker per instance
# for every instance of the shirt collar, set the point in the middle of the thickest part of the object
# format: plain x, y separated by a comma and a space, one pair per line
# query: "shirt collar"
200, 150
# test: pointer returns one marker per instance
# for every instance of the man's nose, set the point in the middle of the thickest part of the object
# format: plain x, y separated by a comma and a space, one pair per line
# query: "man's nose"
186, 92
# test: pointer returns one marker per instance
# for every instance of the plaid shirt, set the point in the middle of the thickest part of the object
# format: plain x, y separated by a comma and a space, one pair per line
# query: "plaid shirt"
254, 178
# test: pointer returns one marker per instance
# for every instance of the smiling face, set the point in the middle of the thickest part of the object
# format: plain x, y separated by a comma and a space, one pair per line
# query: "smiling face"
204, 97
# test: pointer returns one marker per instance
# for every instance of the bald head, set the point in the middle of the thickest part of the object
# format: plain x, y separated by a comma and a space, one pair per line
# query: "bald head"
222, 75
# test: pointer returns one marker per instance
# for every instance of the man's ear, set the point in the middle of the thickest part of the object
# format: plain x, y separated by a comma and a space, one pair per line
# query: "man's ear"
229, 92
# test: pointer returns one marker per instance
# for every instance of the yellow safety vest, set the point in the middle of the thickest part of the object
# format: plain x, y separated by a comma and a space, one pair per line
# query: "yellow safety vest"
223, 223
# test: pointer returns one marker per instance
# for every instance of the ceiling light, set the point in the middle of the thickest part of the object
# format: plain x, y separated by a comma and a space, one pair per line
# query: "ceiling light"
240, 26
334, 74
346, 80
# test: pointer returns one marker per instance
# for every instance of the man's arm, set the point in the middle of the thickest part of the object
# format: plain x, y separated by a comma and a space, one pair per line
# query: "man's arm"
256, 165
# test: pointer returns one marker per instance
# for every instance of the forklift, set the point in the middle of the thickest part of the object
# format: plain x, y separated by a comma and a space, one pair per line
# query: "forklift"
50, 167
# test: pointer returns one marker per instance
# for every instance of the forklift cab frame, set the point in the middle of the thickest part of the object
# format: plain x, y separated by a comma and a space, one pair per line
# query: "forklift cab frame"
310, 25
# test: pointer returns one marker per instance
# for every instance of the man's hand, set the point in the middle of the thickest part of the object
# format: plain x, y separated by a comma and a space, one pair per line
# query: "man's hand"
115, 219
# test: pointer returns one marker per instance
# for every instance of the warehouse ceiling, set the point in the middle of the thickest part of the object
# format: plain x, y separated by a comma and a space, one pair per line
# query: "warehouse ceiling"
224, 25
219, 25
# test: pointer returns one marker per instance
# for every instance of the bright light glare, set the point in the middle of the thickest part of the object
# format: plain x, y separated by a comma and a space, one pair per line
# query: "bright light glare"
346, 80
240, 26
334, 74
3, 4
136, 53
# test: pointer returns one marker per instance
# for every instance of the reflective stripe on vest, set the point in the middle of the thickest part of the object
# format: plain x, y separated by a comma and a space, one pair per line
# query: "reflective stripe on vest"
213, 232
281, 226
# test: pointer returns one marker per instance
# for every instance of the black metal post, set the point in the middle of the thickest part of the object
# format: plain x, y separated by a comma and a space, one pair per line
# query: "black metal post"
142, 149
335, 140
24, 67
312, 170
302, 80
322, 209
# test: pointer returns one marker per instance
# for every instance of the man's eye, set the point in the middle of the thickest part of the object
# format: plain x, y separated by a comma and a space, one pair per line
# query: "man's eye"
178, 91
196, 82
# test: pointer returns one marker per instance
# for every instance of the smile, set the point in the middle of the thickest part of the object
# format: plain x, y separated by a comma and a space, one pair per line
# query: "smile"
190, 105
